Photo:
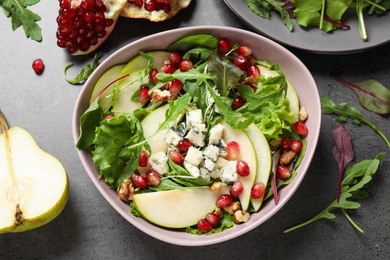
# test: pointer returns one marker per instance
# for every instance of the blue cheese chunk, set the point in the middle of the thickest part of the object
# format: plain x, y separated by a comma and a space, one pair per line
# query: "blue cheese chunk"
182, 129
196, 135
192, 169
215, 174
211, 152
216, 133
194, 117
172, 137
204, 173
221, 162
209, 164
159, 162
194, 156
229, 173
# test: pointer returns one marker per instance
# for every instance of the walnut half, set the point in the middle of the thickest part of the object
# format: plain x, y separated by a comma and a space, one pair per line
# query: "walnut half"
126, 190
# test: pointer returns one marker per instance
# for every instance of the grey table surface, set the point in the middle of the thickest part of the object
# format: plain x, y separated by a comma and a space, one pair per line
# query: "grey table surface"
89, 228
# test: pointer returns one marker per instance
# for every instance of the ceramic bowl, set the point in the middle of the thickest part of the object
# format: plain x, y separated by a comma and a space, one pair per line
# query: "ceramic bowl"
263, 48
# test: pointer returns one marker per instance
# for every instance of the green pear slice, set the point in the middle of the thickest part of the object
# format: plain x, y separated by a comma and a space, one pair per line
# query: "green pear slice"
150, 125
248, 154
291, 92
137, 71
108, 77
177, 208
33, 184
264, 159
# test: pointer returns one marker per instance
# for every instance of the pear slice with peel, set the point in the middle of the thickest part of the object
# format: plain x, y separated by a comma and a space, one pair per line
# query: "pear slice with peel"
33, 184
177, 208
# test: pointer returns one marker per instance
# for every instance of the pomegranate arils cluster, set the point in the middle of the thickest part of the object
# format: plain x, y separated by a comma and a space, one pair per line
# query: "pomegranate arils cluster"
81, 24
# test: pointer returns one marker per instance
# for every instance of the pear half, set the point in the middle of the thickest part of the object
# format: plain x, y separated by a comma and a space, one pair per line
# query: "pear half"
33, 184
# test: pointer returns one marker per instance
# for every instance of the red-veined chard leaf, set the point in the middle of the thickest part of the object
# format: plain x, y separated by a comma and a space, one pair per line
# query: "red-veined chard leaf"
372, 95
342, 152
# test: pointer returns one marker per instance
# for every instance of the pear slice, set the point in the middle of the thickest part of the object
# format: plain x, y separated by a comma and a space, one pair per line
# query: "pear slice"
264, 159
177, 208
150, 124
108, 77
291, 92
248, 155
33, 184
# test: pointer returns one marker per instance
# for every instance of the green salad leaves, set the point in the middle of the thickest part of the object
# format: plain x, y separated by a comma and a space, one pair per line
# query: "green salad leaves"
21, 15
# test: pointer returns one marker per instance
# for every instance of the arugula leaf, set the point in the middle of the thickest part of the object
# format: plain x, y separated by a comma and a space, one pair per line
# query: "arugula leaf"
20, 15
263, 8
371, 94
85, 72
90, 119
345, 112
356, 178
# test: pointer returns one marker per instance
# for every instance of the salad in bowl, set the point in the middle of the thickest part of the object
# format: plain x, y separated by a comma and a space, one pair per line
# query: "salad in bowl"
198, 135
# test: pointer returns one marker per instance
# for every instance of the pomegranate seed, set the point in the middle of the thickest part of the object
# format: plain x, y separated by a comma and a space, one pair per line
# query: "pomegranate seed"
140, 181
144, 94
257, 190
301, 128
168, 68
213, 219
242, 62
204, 226
154, 178
152, 76
176, 157
233, 151
174, 58
283, 172
224, 200
143, 158
185, 65
285, 143
176, 86
238, 102
296, 146
244, 50
242, 168
224, 45
184, 145
253, 71
236, 189
65, 3
87, 4
38, 66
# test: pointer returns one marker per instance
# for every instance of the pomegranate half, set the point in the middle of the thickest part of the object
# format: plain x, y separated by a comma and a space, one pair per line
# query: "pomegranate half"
154, 10
83, 25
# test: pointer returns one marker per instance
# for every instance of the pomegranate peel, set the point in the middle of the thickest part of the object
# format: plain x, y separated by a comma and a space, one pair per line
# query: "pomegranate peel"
131, 10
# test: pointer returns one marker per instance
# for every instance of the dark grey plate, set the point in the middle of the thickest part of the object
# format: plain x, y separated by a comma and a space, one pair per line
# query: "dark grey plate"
315, 40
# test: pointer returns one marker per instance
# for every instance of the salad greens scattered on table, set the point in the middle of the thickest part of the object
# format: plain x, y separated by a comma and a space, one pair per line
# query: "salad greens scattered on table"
210, 86
21, 15
327, 15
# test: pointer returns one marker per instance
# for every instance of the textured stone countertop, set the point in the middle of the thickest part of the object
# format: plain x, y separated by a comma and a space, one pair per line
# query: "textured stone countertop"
89, 228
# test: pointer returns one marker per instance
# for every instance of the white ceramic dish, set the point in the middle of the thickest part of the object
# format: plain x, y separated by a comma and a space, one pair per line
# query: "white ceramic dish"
263, 48
315, 40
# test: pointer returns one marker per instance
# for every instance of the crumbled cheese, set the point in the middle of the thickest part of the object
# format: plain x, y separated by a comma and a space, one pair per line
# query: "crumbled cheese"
221, 162
204, 173
196, 134
216, 134
229, 173
215, 174
209, 164
182, 129
194, 117
172, 137
194, 156
159, 162
211, 152
192, 169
